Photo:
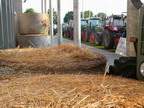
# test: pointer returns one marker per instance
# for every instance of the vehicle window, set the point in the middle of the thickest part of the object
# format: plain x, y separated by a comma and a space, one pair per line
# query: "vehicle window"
83, 23
95, 22
118, 22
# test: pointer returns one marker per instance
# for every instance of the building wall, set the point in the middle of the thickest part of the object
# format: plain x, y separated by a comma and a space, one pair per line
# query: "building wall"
8, 22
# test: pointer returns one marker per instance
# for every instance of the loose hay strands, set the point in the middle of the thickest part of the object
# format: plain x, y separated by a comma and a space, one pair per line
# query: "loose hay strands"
73, 90
70, 91
66, 57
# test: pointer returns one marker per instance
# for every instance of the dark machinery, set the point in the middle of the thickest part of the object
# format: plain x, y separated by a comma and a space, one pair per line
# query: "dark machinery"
133, 66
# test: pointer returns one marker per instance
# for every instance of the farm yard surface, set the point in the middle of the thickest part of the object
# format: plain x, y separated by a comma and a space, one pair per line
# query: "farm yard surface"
63, 77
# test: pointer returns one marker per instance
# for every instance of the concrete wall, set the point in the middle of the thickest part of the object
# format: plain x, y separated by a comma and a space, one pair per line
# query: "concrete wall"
8, 28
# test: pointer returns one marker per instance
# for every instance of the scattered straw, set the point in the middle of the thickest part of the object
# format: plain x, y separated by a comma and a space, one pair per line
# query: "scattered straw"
75, 90
67, 57
70, 91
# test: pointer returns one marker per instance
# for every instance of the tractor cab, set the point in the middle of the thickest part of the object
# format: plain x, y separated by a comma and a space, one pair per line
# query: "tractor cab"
115, 22
84, 23
95, 21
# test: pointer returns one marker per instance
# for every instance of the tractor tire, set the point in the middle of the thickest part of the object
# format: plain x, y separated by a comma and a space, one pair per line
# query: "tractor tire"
98, 39
108, 38
124, 66
139, 75
85, 36
82, 35
71, 34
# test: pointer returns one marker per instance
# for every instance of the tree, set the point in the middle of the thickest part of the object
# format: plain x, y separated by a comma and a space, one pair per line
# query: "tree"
54, 16
68, 16
30, 10
88, 14
102, 15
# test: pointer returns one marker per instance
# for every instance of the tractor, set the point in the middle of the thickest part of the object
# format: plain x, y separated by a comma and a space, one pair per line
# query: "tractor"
133, 66
84, 22
115, 26
68, 29
93, 31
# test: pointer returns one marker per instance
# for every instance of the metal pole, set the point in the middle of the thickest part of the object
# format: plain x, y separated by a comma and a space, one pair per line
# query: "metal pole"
51, 21
77, 27
1, 25
82, 9
60, 41
132, 25
42, 6
45, 6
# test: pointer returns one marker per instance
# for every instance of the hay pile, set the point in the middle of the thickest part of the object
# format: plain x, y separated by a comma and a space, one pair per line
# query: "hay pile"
70, 91
67, 57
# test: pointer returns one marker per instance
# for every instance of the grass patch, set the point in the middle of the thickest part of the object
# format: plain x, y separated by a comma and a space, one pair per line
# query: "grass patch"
100, 47
93, 45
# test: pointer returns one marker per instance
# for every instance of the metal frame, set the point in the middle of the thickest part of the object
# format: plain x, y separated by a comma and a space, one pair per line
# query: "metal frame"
8, 29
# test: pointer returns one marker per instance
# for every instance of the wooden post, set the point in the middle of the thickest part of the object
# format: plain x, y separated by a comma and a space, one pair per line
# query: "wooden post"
77, 26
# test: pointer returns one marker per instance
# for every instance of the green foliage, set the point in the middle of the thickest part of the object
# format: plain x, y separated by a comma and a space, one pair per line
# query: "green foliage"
88, 14
54, 16
68, 16
102, 15
30, 10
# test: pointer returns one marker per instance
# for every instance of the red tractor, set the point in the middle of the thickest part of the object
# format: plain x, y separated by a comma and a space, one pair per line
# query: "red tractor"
115, 27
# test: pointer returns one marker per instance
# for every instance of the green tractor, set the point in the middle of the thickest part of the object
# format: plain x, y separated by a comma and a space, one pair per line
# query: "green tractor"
93, 31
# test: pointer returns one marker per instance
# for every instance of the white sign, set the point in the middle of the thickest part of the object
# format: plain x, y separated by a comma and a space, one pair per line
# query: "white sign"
121, 48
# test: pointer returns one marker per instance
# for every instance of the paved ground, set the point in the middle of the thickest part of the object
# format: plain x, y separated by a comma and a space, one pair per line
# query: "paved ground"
109, 55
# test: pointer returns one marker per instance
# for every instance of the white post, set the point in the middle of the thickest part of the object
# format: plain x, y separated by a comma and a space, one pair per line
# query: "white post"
59, 22
82, 8
51, 21
77, 26
42, 11
45, 6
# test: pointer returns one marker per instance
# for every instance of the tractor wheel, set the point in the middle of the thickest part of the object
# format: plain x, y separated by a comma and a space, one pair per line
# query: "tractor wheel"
68, 34
92, 38
82, 35
108, 37
85, 36
71, 34
124, 66
98, 39
139, 75
116, 39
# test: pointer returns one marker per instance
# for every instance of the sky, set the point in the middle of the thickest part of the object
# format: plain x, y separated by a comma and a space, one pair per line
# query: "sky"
107, 6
